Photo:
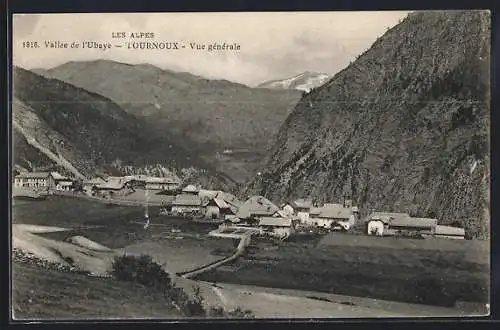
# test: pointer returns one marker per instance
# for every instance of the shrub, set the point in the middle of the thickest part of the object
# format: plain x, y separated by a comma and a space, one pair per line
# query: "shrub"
216, 311
238, 313
142, 270
193, 307
431, 291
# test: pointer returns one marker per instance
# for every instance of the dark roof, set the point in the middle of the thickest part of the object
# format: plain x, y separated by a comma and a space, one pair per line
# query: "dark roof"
413, 222
277, 222
187, 200
334, 211
34, 175
94, 181
110, 186
402, 220
385, 217
221, 203
281, 214
153, 180
256, 205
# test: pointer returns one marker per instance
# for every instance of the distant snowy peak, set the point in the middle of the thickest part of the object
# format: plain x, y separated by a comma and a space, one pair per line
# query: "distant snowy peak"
304, 81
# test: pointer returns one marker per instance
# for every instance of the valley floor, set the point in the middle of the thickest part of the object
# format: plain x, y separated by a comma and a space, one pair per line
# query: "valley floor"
319, 278
41, 294
411, 271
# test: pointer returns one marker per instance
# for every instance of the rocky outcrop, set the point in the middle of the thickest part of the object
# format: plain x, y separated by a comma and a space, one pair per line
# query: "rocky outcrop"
404, 128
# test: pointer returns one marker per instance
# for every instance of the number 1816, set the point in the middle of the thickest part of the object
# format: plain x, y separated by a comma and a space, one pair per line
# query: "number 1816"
30, 44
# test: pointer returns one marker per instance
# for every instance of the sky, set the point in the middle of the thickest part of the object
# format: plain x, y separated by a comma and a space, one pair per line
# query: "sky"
272, 45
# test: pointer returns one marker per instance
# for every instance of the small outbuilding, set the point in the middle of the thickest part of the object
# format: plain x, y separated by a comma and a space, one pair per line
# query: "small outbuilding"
190, 190
386, 223
281, 227
216, 208
256, 207
333, 216
64, 185
187, 203
302, 208
449, 232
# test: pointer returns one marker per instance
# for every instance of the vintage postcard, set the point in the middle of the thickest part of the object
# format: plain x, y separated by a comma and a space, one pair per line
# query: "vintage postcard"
250, 165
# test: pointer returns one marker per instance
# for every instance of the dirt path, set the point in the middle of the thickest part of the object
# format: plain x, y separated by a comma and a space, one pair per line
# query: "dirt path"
394, 308
244, 242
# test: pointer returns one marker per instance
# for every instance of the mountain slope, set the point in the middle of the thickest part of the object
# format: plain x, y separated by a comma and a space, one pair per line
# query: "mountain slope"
305, 81
403, 128
206, 116
82, 132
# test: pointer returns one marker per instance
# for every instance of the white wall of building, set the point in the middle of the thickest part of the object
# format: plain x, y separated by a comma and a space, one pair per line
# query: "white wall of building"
303, 216
375, 226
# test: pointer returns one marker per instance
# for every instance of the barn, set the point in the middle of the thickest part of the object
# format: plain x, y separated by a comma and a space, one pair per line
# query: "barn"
450, 232
64, 185
217, 208
387, 223
333, 216
187, 203
112, 187
257, 207
302, 208
280, 227
35, 180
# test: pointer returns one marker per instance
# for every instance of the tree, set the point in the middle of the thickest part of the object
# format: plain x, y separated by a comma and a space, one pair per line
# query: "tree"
78, 185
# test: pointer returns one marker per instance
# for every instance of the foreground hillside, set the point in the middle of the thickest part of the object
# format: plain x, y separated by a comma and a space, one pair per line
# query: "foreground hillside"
207, 116
60, 125
48, 294
403, 128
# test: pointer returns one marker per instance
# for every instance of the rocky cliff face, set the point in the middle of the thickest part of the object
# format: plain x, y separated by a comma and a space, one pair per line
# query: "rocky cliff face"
405, 127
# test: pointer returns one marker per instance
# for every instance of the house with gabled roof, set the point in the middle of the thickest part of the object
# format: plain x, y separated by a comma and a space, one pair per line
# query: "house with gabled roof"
278, 226
256, 207
191, 190
111, 187
89, 184
393, 223
61, 182
231, 200
65, 185
187, 203
301, 207
333, 216
217, 208
35, 180
165, 183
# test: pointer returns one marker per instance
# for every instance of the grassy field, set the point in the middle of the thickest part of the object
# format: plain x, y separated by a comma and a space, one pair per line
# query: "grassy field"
339, 239
121, 228
111, 225
414, 271
44, 294
430, 271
